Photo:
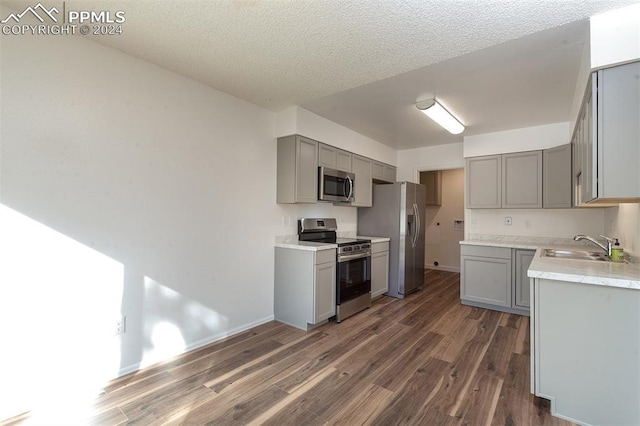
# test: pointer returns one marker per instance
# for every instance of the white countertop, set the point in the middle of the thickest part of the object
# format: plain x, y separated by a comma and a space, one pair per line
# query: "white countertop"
291, 242
612, 274
306, 245
527, 243
374, 239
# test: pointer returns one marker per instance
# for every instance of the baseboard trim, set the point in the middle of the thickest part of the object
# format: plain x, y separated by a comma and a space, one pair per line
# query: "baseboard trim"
131, 368
443, 268
523, 312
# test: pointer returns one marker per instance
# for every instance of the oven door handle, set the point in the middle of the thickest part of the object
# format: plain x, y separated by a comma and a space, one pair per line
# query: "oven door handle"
348, 257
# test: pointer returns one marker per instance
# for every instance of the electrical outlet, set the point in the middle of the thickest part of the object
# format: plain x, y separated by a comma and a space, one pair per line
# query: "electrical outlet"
286, 220
508, 220
121, 325
527, 223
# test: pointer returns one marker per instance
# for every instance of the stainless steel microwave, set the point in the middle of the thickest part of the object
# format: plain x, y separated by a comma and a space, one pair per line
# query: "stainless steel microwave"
335, 185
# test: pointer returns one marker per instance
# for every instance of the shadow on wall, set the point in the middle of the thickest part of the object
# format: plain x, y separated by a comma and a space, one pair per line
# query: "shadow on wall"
60, 302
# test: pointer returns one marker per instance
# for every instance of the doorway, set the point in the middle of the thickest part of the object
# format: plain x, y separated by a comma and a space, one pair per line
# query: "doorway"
444, 218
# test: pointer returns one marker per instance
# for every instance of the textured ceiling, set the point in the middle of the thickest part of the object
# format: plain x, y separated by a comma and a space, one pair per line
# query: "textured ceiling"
309, 52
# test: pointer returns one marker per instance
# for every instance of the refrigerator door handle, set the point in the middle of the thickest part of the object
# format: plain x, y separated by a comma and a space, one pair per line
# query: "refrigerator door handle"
418, 224
414, 237
410, 232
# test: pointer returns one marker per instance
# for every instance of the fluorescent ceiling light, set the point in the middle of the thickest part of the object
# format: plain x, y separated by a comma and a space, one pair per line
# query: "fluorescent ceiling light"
437, 113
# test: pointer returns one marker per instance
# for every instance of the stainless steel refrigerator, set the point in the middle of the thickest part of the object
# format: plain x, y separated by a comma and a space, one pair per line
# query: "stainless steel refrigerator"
398, 212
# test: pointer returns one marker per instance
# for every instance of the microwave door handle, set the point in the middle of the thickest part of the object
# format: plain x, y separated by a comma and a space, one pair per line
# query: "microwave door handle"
350, 188
344, 187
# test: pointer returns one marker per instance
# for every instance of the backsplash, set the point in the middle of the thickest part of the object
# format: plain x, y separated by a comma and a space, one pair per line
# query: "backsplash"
623, 222
526, 239
287, 222
552, 223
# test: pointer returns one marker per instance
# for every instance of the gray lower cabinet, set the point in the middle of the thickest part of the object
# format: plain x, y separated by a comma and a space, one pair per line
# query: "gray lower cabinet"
495, 278
485, 275
304, 287
557, 187
297, 176
363, 188
379, 269
522, 259
585, 351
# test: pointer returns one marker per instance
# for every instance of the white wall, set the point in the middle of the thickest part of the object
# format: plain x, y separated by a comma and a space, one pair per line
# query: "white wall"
615, 36
130, 190
166, 184
623, 222
581, 85
440, 157
301, 121
517, 140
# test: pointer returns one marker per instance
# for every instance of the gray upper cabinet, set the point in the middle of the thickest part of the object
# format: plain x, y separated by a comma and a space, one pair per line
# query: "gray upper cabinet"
607, 138
433, 182
389, 174
297, 180
505, 181
363, 190
343, 160
326, 156
377, 170
334, 158
618, 139
522, 180
556, 177
383, 173
583, 139
483, 182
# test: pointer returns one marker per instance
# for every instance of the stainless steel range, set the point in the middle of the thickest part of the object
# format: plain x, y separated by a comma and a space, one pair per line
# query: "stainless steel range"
353, 275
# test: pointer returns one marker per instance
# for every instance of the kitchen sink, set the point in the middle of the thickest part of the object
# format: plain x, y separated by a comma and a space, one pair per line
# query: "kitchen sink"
576, 254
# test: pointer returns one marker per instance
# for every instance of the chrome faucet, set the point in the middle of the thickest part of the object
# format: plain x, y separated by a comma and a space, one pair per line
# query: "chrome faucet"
606, 248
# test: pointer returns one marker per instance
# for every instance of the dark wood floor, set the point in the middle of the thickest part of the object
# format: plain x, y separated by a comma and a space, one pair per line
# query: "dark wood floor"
424, 360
